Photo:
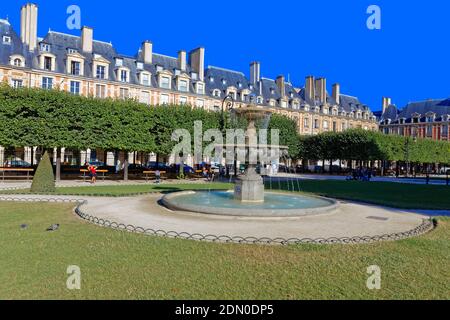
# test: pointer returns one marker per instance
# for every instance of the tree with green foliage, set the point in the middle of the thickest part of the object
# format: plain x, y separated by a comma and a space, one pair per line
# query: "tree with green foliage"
44, 179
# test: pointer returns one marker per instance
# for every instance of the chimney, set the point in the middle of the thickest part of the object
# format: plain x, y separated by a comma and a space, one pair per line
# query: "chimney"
386, 103
197, 62
28, 25
147, 52
337, 93
321, 90
281, 84
182, 60
309, 88
255, 72
87, 37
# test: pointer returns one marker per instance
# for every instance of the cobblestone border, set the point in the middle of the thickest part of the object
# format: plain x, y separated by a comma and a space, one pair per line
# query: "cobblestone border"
426, 226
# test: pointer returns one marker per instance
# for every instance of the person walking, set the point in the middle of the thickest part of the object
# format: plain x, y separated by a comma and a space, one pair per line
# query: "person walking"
93, 173
157, 176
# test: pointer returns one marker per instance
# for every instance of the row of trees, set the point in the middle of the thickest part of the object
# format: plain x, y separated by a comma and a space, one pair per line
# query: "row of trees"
363, 145
50, 118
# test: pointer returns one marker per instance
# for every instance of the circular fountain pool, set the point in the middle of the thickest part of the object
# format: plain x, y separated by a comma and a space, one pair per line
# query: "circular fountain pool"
223, 203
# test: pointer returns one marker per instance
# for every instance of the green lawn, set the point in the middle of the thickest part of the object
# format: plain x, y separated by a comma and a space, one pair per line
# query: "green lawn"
120, 265
408, 196
399, 195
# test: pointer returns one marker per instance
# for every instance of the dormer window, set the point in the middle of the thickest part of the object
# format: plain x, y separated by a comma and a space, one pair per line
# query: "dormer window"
259, 100
6, 40
239, 85
45, 47
402, 121
194, 75
216, 93
164, 82
430, 118
272, 91
183, 85
75, 68
17, 61
139, 65
145, 78
100, 72
224, 81
250, 87
119, 62
211, 79
200, 88
123, 75
71, 51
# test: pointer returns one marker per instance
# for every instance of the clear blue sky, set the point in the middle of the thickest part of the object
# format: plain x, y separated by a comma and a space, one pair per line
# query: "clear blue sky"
408, 59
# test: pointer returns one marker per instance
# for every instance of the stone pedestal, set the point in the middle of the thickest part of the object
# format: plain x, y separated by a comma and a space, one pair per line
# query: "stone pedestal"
249, 188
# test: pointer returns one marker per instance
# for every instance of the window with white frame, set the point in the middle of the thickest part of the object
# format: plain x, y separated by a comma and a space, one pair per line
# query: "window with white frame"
18, 62
200, 103
200, 88
144, 97
283, 103
75, 87
75, 68
216, 93
48, 63
17, 83
259, 100
45, 47
123, 75
316, 124
164, 82
164, 99
139, 65
145, 79
194, 75
71, 51
100, 72
6, 39
124, 93
119, 62
183, 85
272, 103
182, 100
47, 83
325, 124
306, 122
100, 91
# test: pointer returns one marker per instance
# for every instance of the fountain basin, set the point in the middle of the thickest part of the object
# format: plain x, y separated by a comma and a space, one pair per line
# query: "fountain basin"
224, 203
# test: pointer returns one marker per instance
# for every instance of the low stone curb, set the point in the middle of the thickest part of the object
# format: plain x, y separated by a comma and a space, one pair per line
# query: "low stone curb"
426, 226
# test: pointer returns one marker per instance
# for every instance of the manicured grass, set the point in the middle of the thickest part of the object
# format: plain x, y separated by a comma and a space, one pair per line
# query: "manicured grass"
128, 190
408, 196
398, 195
120, 265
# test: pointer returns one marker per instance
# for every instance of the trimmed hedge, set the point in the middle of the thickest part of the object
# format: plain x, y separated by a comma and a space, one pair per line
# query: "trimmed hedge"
44, 179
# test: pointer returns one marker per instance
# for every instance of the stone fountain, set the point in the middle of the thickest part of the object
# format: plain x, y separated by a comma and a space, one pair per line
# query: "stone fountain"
250, 186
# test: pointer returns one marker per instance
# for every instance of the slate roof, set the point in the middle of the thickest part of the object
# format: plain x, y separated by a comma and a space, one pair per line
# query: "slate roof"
439, 107
214, 76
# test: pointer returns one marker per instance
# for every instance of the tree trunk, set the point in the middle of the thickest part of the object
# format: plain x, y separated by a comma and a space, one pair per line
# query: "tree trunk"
58, 164
125, 167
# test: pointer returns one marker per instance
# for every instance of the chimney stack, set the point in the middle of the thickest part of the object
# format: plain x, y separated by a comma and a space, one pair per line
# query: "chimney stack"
321, 90
386, 103
147, 52
337, 93
281, 84
28, 25
197, 62
182, 60
87, 38
309, 88
255, 72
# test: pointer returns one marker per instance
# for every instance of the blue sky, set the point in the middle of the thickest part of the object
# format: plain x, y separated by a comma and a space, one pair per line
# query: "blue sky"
408, 59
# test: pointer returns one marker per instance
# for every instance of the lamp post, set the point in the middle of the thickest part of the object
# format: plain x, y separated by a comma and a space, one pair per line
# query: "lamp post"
227, 104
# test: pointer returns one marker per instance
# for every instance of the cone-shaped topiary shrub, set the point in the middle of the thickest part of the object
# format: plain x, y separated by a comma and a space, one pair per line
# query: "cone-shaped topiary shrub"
44, 179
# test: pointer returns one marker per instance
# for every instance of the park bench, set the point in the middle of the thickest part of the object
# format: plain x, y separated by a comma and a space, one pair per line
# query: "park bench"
149, 174
100, 173
4, 172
